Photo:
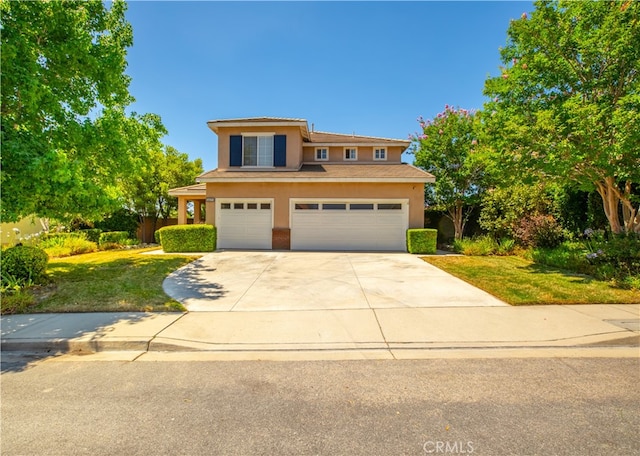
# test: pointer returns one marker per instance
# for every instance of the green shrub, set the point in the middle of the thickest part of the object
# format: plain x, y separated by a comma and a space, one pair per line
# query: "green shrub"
503, 208
478, 246
539, 230
568, 255
66, 244
92, 234
156, 236
616, 259
23, 264
188, 238
422, 240
114, 237
16, 301
58, 238
120, 220
506, 246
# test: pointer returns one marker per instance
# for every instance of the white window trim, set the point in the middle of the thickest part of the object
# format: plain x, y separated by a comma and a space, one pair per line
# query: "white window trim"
315, 154
385, 153
344, 152
250, 134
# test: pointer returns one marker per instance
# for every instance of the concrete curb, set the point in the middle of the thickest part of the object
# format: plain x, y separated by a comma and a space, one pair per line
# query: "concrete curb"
164, 345
73, 346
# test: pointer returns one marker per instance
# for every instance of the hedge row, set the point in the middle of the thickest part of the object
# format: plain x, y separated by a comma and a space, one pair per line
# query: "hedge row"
187, 238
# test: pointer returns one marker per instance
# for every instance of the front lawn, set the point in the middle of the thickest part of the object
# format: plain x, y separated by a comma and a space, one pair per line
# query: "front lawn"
108, 281
518, 281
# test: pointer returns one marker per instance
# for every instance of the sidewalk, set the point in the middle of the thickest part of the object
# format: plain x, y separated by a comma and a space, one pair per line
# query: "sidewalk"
408, 333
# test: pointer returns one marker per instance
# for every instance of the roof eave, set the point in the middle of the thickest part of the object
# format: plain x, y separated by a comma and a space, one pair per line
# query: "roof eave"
403, 144
405, 180
214, 125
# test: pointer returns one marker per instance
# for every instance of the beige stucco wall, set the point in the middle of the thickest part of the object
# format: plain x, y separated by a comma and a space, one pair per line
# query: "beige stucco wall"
281, 192
365, 154
294, 143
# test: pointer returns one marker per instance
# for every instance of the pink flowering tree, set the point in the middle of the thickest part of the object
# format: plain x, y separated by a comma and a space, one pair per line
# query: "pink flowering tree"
447, 147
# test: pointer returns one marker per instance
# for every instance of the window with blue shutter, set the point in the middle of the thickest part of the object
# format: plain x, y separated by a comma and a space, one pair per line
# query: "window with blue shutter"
235, 150
280, 150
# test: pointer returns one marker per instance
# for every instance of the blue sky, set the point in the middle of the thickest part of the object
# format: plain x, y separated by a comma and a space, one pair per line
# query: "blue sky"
369, 68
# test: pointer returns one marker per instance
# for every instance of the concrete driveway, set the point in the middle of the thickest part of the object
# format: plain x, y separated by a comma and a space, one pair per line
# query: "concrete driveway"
245, 281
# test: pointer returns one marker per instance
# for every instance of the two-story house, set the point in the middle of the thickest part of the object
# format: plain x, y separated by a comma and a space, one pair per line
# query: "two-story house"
279, 185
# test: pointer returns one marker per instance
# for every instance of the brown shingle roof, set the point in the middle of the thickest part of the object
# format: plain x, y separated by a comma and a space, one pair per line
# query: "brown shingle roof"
196, 189
337, 138
388, 172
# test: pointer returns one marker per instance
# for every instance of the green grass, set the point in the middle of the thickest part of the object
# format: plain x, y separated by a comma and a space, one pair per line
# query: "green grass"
109, 281
518, 281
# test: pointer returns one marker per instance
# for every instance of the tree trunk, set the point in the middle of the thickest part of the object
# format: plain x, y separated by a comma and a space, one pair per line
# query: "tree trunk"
142, 230
456, 216
613, 200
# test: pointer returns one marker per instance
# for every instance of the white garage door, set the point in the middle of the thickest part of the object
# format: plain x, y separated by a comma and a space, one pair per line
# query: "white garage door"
349, 225
244, 224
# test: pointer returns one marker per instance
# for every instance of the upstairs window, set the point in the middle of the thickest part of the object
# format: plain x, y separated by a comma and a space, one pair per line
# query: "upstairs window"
257, 150
379, 153
350, 153
322, 154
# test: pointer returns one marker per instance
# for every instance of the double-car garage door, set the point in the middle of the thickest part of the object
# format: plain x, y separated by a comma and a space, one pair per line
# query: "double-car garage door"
315, 224
348, 225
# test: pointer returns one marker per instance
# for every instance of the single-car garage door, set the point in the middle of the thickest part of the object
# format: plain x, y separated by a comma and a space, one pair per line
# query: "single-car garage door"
244, 224
349, 225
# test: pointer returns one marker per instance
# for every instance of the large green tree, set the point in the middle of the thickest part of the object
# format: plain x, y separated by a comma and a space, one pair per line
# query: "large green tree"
567, 104
446, 147
147, 193
67, 143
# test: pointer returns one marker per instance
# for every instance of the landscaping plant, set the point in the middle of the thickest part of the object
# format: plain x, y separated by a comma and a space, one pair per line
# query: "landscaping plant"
188, 238
422, 241
23, 263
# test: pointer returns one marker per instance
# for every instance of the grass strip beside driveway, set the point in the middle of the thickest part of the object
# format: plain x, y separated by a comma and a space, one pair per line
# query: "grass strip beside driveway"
518, 281
109, 281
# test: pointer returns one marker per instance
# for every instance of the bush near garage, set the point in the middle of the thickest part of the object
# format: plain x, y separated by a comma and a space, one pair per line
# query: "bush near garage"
422, 240
188, 238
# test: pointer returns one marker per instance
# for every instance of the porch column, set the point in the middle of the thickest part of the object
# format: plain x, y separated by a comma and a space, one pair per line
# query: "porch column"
210, 208
197, 212
182, 211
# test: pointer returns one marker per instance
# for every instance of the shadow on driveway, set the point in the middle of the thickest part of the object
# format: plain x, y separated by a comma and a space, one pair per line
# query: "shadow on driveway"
191, 282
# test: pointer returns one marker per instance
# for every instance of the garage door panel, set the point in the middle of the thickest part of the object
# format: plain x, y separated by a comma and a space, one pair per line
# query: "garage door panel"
349, 229
244, 224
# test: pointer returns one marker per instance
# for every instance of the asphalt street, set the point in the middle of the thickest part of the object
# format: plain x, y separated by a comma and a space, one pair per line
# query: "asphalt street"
544, 406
